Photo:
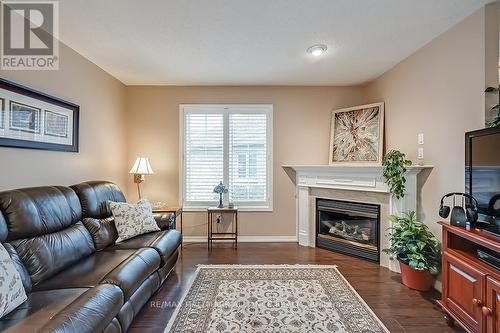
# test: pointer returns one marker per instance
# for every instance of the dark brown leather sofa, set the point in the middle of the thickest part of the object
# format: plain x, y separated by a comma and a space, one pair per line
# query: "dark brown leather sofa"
77, 279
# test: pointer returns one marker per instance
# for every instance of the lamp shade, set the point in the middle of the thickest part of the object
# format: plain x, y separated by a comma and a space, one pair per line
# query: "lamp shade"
142, 167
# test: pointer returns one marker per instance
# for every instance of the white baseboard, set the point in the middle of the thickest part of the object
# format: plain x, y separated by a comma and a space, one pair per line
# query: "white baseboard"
244, 239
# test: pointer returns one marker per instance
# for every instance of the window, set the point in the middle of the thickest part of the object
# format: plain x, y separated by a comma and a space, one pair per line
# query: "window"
228, 143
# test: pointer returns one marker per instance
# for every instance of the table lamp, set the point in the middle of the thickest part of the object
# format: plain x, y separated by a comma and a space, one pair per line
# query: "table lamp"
220, 189
141, 167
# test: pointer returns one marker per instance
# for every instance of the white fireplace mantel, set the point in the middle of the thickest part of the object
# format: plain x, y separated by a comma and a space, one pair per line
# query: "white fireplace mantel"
352, 178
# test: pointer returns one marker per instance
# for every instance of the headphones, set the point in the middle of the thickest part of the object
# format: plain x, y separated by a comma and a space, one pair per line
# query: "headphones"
460, 214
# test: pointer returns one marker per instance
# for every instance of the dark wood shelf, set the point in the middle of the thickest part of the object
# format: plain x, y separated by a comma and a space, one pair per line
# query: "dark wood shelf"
471, 288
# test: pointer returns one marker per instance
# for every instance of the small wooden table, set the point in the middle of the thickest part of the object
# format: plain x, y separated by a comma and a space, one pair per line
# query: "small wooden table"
177, 210
234, 224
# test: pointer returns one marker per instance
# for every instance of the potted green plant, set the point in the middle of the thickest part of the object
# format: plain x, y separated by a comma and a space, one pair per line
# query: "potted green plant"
417, 250
395, 164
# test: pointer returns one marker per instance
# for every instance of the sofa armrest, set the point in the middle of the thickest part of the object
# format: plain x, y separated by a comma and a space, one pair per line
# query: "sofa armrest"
165, 221
91, 312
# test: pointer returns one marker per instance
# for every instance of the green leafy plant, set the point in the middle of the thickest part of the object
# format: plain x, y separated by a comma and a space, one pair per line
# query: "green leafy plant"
395, 164
413, 244
494, 122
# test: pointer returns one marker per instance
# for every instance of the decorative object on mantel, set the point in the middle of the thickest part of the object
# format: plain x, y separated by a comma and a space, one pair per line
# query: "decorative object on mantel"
220, 189
32, 119
357, 135
395, 164
491, 119
141, 167
305, 298
417, 250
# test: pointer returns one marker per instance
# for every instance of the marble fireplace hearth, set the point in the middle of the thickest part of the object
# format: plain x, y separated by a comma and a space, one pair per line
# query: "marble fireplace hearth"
360, 184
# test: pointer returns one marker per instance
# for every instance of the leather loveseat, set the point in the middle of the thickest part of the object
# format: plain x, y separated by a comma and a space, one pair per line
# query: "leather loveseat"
62, 242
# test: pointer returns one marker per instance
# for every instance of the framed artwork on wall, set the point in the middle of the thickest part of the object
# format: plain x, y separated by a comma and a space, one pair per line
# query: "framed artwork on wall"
32, 119
357, 135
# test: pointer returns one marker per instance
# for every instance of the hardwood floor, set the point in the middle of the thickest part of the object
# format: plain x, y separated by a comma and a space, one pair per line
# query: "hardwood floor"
400, 309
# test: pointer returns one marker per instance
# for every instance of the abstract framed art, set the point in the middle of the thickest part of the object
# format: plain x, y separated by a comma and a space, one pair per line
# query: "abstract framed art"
357, 135
32, 119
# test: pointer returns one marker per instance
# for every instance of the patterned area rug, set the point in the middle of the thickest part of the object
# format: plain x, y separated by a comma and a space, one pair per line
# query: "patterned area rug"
272, 298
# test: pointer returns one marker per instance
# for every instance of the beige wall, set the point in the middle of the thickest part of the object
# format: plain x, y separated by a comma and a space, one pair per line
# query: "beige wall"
437, 91
301, 135
102, 147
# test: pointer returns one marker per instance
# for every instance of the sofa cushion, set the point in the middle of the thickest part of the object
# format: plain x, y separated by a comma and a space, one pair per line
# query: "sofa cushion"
133, 219
165, 242
38, 309
12, 292
46, 255
87, 272
37, 211
92, 312
21, 269
94, 197
103, 231
130, 274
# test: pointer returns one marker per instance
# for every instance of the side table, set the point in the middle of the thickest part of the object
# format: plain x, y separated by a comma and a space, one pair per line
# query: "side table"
177, 210
221, 235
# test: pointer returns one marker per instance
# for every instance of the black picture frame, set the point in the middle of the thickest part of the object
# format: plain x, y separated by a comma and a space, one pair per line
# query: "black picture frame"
35, 94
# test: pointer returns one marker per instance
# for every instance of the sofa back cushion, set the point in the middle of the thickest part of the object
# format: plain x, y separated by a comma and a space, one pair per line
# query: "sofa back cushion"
94, 197
37, 211
48, 254
43, 226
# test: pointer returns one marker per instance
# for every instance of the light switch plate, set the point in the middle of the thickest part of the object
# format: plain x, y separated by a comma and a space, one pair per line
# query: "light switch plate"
420, 138
420, 154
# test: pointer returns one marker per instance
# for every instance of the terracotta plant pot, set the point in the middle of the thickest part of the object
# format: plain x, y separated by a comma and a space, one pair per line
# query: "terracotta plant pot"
418, 280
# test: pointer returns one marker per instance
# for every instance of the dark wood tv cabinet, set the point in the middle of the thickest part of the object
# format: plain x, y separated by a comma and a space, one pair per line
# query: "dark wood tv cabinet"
470, 287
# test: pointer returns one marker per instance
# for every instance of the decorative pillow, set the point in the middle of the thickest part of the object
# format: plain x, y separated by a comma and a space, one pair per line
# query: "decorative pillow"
103, 231
12, 293
133, 219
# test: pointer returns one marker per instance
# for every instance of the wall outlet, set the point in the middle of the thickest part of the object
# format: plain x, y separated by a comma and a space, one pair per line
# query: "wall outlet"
420, 154
219, 218
420, 138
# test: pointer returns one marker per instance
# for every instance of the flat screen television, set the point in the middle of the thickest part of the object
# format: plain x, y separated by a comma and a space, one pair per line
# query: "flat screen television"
482, 174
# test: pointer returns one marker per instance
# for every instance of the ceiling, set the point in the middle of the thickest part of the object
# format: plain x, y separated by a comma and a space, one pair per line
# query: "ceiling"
253, 42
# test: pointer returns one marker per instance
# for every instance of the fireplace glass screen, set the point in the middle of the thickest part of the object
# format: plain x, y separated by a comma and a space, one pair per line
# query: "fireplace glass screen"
348, 227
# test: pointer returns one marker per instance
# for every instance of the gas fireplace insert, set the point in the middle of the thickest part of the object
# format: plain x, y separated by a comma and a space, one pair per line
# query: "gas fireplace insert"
348, 227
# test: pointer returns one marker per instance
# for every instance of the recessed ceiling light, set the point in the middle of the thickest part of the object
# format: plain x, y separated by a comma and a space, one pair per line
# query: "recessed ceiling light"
317, 50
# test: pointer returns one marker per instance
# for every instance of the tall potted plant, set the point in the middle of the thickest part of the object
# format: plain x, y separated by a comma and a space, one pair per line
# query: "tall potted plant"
417, 250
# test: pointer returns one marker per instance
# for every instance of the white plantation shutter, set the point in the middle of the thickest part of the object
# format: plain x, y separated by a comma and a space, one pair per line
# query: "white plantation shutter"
229, 143
204, 155
248, 157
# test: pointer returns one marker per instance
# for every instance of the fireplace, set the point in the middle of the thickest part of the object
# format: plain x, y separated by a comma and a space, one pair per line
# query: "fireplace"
348, 227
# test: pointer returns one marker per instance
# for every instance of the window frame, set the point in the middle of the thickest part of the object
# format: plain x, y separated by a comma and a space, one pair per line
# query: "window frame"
226, 109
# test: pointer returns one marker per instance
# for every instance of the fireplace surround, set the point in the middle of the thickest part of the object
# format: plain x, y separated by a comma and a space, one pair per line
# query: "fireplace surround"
348, 227
354, 183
